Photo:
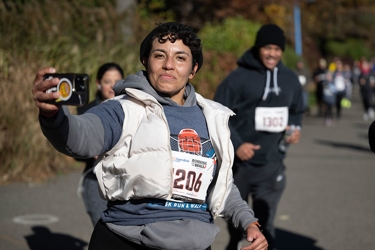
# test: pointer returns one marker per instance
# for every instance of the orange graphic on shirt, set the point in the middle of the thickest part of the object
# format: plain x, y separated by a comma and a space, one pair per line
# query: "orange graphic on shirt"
189, 141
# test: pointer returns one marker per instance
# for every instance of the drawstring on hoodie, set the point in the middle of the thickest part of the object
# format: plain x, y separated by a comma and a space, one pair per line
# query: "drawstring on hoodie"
275, 86
267, 88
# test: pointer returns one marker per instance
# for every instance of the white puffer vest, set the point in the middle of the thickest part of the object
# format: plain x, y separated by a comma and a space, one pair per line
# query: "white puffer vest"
140, 164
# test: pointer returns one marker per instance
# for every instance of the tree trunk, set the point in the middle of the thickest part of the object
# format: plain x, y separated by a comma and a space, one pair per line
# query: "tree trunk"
127, 7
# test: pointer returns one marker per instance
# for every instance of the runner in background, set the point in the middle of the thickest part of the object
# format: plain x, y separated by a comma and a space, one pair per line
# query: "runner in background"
304, 77
367, 85
267, 99
319, 77
329, 99
341, 84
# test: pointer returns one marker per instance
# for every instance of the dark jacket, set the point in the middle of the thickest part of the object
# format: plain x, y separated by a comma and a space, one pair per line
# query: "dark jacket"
244, 89
365, 81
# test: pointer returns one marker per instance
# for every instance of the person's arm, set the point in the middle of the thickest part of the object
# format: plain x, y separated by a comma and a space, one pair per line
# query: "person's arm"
87, 135
371, 136
238, 212
82, 136
76, 136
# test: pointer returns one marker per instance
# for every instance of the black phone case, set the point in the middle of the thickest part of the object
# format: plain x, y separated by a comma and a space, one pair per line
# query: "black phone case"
73, 87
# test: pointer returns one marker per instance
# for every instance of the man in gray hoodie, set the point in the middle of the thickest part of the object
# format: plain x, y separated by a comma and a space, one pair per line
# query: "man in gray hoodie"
266, 97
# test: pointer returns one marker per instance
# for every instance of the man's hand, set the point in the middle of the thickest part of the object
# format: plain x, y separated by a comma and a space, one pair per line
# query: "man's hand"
294, 138
246, 151
39, 95
255, 236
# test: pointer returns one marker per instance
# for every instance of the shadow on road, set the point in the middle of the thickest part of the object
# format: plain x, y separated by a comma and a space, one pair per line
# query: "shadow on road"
344, 145
44, 239
363, 136
290, 241
364, 126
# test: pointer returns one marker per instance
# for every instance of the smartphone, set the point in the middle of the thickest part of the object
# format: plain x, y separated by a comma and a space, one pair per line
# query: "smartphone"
73, 88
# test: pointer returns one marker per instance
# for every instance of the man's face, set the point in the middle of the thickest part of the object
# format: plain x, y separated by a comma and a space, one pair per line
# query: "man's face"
270, 55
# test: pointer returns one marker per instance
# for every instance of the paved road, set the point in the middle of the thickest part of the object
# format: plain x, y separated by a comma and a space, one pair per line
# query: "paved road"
329, 202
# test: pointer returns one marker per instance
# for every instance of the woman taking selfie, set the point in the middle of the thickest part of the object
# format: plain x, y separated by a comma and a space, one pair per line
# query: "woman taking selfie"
167, 155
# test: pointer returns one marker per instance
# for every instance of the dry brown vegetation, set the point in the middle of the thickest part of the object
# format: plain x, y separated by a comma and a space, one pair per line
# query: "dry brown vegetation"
36, 35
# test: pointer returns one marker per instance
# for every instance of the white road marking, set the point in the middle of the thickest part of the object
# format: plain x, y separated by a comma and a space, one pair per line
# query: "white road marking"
35, 219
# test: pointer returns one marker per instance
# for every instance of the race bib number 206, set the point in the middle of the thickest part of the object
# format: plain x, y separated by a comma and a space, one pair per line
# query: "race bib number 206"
192, 174
271, 119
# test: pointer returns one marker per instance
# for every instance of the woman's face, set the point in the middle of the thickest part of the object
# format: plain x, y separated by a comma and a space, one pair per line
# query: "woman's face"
105, 85
169, 68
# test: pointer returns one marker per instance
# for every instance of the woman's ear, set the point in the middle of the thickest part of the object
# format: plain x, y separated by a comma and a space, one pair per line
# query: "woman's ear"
193, 71
144, 62
98, 85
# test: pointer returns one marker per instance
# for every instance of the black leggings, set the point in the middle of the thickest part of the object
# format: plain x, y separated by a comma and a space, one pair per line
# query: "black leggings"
103, 239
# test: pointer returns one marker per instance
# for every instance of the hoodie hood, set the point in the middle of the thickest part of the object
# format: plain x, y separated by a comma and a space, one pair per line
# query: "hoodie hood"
250, 59
140, 81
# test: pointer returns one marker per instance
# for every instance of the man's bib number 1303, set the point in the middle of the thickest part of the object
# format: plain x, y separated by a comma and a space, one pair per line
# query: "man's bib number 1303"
271, 119
192, 174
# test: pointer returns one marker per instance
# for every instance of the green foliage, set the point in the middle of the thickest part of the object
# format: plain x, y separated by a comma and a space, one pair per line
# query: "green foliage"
290, 57
223, 42
155, 9
352, 48
233, 35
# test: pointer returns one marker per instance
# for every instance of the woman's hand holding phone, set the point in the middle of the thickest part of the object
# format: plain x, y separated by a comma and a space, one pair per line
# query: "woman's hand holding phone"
51, 90
43, 99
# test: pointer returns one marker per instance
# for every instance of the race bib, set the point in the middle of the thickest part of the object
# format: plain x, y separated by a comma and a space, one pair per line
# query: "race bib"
192, 174
271, 119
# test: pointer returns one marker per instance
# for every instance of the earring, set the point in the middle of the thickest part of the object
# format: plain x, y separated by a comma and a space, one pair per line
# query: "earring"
99, 87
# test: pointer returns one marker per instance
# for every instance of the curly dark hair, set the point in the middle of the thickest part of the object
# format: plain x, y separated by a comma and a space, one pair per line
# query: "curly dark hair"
174, 31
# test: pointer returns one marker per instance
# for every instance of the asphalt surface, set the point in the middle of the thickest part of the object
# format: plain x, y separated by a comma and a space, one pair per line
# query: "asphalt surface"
329, 202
